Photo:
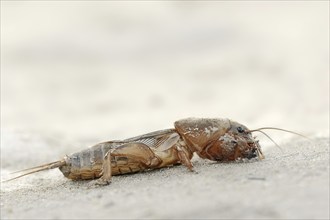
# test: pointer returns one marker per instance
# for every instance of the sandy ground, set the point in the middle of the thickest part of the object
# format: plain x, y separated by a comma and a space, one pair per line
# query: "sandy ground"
290, 184
75, 74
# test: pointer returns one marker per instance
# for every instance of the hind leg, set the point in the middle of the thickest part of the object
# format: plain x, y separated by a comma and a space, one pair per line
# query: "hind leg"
105, 179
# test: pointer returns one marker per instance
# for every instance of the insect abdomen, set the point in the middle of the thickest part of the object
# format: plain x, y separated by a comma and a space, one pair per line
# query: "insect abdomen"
86, 164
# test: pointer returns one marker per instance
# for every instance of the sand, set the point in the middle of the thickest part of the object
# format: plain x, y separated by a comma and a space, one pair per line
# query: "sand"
293, 184
73, 75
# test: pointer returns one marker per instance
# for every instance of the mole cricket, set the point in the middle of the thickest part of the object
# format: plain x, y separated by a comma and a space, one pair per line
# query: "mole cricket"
214, 139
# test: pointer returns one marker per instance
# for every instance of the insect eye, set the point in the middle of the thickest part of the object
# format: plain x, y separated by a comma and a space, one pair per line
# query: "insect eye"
240, 130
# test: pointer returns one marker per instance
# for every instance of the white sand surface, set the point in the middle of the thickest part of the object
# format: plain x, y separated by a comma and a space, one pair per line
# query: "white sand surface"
286, 185
77, 73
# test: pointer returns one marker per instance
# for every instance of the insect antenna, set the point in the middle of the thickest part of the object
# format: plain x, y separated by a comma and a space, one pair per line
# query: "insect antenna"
279, 129
36, 169
269, 138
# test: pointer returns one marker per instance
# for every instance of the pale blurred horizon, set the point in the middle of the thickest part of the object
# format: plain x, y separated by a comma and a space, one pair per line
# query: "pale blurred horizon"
107, 70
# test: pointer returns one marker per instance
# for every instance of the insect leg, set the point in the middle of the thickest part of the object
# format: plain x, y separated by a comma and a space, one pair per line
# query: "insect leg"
184, 156
137, 157
106, 170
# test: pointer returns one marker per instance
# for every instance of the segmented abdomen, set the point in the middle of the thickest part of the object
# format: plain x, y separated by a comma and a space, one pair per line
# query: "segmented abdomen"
86, 164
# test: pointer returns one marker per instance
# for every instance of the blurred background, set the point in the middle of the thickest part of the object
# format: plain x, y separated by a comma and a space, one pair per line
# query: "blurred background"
92, 71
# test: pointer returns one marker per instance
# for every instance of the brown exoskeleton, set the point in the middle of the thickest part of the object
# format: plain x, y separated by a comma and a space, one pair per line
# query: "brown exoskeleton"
214, 139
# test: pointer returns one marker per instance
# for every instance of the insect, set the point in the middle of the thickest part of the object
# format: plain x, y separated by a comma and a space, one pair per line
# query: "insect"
210, 138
